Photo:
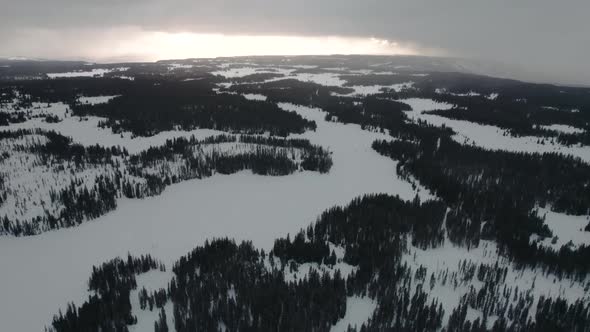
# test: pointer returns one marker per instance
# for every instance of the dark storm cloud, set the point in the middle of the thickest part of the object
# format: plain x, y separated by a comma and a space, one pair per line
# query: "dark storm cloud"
550, 37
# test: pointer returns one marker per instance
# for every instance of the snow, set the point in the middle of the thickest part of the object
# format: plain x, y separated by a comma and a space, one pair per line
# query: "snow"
85, 130
493, 96
567, 229
447, 259
95, 100
327, 79
37, 110
245, 71
303, 66
53, 267
564, 129
254, 96
467, 94
490, 137
94, 72
152, 281
358, 311
365, 90
174, 66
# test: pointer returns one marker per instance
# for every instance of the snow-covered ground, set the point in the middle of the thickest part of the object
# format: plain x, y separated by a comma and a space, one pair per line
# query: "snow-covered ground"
85, 130
52, 268
564, 129
365, 90
490, 137
467, 94
328, 79
445, 263
174, 66
95, 100
43, 273
566, 229
358, 311
152, 281
245, 71
37, 110
91, 73
254, 96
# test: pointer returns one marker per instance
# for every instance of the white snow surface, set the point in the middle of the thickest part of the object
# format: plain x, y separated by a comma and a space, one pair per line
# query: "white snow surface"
152, 281
327, 79
467, 94
91, 73
85, 130
490, 137
447, 259
358, 311
254, 96
245, 71
37, 110
95, 100
365, 90
564, 129
173, 66
568, 229
52, 268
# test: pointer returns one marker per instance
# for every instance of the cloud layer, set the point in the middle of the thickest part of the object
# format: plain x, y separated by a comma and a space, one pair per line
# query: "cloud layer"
549, 37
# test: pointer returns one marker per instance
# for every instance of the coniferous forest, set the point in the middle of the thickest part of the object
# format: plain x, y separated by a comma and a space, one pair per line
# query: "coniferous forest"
405, 217
244, 288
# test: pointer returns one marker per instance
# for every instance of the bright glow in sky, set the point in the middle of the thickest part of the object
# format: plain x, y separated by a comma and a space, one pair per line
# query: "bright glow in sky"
159, 45
183, 44
132, 44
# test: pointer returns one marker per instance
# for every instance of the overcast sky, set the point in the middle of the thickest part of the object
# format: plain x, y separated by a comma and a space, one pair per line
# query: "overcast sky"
546, 36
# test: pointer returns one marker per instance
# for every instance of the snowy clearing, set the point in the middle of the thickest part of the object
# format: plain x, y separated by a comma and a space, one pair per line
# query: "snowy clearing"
94, 72
245, 71
86, 131
95, 100
566, 229
485, 136
358, 311
450, 282
365, 90
564, 129
170, 225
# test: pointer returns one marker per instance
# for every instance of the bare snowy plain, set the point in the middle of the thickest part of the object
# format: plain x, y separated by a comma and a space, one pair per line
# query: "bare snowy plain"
244, 206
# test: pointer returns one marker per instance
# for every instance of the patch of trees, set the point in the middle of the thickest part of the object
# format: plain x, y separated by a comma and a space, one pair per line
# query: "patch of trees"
12, 117
372, 230
109, 307
522, 120
198, 159
380, 79
150, 171
492, 193
170, 105
229, 283
293, 91
157, 102
379, 112
230, 286
519, 107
